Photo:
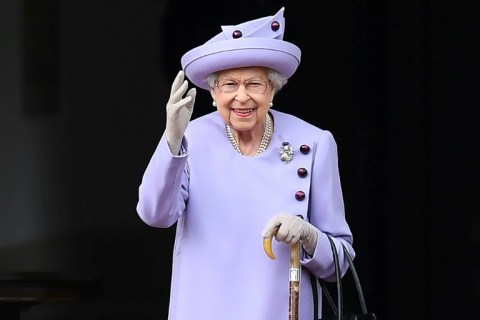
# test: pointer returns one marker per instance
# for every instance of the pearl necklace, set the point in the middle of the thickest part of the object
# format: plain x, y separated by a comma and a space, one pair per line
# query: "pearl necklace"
263, 143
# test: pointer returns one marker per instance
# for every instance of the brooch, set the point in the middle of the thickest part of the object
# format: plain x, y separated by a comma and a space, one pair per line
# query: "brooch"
286, 152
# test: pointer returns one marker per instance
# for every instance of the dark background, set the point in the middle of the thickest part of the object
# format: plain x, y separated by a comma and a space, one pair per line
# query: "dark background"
83, 88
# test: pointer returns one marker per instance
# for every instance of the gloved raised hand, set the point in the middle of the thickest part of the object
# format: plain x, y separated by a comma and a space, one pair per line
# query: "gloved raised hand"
290, 229
179, 112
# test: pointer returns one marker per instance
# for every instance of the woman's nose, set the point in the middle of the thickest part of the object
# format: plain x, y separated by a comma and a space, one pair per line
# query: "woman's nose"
242, 94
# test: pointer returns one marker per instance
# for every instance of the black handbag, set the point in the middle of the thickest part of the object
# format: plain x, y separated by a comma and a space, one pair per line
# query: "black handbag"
337, 309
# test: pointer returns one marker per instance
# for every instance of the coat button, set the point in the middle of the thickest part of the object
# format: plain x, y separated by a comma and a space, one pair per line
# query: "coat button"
304, 149
299, 195
302, 172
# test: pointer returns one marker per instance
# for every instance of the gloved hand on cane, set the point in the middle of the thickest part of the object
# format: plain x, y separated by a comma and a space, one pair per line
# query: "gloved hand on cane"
179, 112
292, 229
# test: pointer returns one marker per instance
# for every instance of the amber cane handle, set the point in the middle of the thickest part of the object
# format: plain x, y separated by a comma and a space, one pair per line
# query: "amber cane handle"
294, 281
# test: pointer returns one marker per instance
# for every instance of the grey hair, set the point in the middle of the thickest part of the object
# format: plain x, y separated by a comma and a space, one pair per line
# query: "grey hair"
275, 78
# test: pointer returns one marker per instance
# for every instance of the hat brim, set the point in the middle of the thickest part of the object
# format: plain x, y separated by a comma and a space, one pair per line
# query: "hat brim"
198, 63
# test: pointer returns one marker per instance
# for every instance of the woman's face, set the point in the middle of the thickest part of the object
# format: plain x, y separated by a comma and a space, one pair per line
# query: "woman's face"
243, 97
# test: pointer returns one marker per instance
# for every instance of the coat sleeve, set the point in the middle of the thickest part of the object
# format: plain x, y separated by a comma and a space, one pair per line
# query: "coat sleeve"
163, 191
327, 210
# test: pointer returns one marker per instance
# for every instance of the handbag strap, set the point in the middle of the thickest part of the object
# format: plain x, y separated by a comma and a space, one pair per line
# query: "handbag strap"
356, 279
338, 307
326, 295
338, 279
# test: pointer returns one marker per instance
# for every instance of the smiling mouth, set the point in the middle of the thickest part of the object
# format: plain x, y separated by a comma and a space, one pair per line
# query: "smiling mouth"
243, 112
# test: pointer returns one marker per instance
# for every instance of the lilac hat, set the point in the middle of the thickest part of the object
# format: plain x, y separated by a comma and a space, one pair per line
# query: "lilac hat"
257, 42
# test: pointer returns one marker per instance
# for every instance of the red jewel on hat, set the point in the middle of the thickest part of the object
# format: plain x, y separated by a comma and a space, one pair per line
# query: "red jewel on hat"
236, 34
275, 25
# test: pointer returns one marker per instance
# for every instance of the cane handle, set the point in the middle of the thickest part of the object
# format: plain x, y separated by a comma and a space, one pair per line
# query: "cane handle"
267, 244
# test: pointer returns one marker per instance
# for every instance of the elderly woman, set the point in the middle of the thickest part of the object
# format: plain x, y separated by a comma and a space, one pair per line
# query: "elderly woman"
239, 174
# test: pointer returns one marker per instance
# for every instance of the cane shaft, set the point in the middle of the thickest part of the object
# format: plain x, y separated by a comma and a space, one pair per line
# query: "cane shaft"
294, 281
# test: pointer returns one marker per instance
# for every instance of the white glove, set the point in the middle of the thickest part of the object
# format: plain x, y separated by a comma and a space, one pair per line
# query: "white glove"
179, 112
292, 229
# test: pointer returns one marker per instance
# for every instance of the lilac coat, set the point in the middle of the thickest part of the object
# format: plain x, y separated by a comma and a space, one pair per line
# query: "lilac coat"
219, 201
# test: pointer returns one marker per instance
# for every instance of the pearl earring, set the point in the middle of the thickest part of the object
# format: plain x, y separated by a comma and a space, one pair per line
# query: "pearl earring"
214, 103
271, 104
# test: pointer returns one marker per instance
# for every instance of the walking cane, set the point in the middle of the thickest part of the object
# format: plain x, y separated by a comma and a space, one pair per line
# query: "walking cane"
294, 278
